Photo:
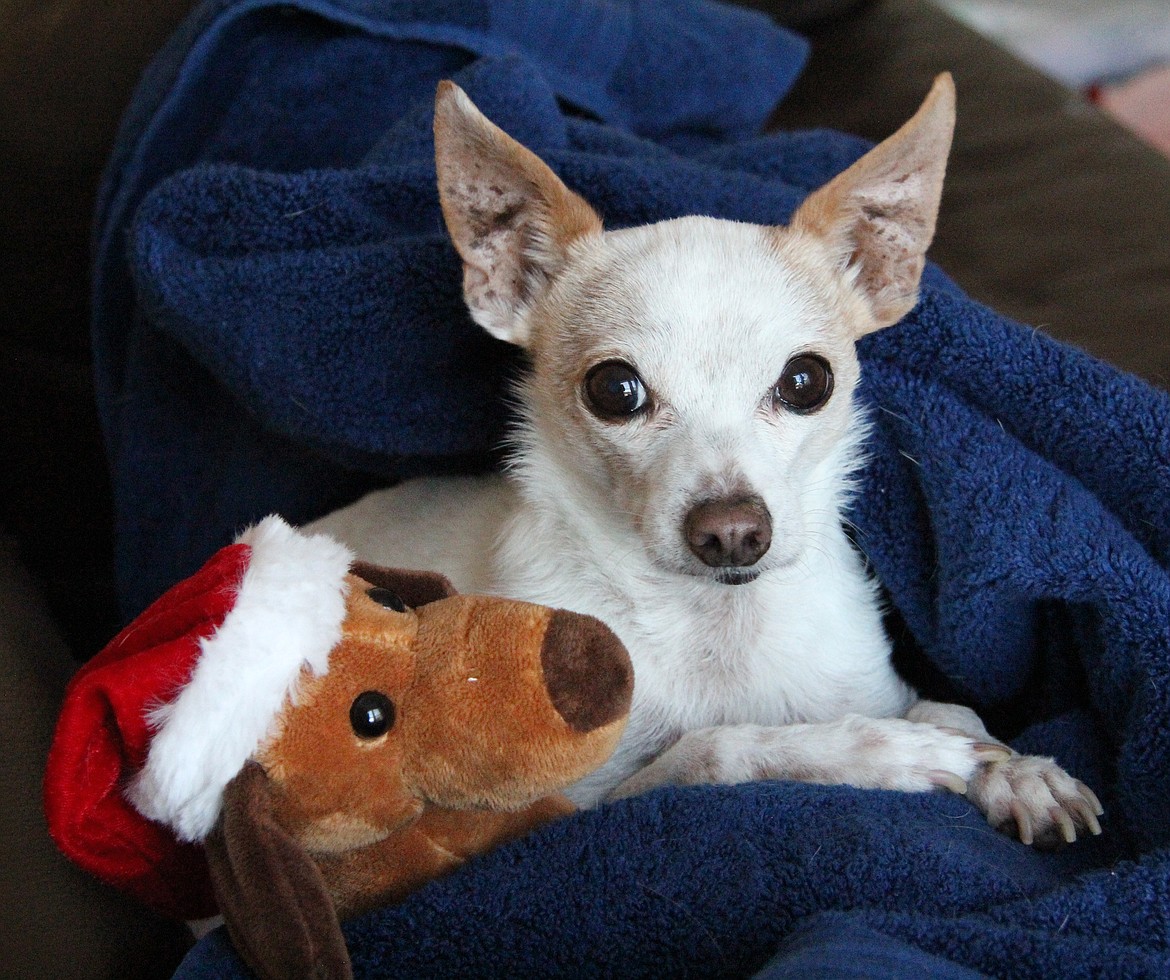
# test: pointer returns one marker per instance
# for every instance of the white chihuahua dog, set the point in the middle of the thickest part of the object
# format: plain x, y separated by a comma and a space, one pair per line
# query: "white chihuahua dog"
685, 454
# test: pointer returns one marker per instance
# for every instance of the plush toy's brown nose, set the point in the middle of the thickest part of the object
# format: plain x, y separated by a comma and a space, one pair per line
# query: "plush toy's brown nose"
729, 533
587, 671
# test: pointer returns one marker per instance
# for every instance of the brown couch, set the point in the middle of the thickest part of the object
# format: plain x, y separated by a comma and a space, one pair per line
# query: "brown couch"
1052, 214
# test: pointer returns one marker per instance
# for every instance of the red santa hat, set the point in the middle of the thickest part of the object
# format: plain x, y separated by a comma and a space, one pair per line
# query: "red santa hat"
156, 725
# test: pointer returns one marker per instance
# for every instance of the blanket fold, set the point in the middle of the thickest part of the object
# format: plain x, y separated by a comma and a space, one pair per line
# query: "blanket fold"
278, 327
273, 119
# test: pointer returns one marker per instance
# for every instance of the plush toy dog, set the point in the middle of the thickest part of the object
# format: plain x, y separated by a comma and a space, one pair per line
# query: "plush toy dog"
333, 734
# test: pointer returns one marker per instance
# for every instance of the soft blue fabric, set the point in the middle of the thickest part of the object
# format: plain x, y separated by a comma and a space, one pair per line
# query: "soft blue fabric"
277, 322
278, 326
835, 947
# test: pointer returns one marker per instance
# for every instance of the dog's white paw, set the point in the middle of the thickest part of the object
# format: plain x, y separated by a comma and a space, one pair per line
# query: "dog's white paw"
869, 753
1032, 798
914, 757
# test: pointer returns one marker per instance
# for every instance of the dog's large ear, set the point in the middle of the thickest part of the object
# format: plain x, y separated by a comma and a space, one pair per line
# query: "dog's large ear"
510, 217
879, 216
273, 897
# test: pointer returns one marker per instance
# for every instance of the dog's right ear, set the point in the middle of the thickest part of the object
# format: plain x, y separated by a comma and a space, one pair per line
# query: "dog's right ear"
511, 218
878, 217
273, 897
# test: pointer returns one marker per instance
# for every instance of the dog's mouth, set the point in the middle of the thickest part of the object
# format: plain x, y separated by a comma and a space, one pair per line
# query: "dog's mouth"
736, 576
722, 576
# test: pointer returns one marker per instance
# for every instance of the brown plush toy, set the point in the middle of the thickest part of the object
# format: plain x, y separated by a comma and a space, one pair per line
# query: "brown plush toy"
335, 735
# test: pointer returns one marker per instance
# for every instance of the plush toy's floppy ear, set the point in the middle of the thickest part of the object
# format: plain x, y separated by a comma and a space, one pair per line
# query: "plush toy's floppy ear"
274, 900
413, 588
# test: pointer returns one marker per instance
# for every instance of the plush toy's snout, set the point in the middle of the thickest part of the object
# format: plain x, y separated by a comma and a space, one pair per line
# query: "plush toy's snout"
586, 670
526, 701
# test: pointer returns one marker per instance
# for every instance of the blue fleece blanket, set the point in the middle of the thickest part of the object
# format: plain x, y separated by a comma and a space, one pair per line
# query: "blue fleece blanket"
278, 327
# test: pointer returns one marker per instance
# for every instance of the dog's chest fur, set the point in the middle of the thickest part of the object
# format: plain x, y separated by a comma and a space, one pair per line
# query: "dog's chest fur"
803, 646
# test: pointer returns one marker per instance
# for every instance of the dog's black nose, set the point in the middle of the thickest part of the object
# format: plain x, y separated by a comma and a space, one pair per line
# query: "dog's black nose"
729, 533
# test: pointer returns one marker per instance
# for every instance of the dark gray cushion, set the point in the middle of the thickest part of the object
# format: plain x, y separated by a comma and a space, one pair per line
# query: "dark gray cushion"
57, 922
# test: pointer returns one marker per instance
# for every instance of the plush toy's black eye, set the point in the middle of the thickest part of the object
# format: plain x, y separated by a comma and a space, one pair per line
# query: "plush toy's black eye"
384, 597
371, 714
614, 391
805, 384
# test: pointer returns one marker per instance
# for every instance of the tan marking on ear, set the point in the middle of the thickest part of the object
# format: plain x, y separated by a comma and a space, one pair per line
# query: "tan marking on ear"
878, 217
511, 219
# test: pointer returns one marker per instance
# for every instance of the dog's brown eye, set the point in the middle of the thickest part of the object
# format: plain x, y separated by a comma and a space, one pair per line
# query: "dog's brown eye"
806, 383
614, 390
371, 714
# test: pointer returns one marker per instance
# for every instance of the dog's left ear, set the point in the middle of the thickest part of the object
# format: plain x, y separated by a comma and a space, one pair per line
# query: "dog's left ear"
878, 217
511, 218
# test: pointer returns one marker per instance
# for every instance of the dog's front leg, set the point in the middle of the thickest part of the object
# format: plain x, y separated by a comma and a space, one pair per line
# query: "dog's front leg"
876, 753
1029, 795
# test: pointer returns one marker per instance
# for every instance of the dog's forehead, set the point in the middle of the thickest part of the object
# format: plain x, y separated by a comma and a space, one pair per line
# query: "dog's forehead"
719, 290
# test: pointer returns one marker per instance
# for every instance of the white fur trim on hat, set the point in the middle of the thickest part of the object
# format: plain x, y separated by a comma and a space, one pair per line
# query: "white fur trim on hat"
287, 615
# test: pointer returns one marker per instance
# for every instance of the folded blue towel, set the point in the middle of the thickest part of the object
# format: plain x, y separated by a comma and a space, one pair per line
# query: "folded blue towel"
278, 327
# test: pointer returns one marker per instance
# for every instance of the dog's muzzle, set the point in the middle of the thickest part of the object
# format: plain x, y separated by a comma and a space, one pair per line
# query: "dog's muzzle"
729, 532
